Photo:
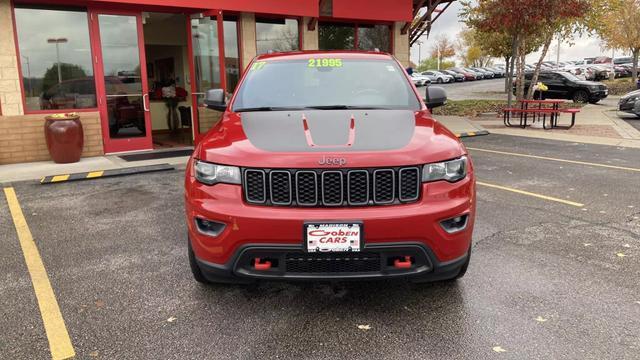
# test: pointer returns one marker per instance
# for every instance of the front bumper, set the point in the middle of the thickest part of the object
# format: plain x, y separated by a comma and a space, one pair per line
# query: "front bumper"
374, 262
278, 231
599, 95
630, 107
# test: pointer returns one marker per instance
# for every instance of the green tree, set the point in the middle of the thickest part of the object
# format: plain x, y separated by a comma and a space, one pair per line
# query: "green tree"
432, 64
336, 37
67, 71
529, 24
620, 28
470, 49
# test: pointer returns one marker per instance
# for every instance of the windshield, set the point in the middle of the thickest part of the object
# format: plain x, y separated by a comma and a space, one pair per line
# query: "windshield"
325, 83
569, 76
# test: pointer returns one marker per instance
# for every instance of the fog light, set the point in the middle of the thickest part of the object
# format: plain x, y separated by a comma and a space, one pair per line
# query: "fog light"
455, 224
209, 227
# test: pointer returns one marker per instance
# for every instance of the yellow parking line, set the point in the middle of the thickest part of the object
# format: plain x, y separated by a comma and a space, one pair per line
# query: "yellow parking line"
539, 196
556, 159
59, 341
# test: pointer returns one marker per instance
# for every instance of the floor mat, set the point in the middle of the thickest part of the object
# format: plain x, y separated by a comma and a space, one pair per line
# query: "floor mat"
156, 155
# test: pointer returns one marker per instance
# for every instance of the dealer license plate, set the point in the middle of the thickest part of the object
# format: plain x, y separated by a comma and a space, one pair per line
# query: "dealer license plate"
321, 237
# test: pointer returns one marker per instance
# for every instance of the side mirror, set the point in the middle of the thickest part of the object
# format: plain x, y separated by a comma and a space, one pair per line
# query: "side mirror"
214, 99
435, 97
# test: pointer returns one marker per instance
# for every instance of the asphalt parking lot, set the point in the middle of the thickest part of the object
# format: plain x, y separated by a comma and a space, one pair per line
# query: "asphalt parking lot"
554, 274
491, 89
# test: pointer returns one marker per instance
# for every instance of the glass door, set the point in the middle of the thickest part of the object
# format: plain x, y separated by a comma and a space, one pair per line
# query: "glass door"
214, 64
206, 71
123, 94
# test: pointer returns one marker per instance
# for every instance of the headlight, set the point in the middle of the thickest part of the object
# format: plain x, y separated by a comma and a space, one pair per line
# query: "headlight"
450, 171
632, 98
210, 174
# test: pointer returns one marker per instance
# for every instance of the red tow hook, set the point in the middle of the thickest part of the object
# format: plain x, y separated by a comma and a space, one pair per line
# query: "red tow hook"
402, 264
266, 265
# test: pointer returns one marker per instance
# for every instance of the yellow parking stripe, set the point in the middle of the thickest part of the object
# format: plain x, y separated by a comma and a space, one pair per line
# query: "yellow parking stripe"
60, 178
94, 174
59, 341
539, 196
556, 159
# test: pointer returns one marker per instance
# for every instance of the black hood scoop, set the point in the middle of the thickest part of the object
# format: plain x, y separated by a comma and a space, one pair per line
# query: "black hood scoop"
329, 130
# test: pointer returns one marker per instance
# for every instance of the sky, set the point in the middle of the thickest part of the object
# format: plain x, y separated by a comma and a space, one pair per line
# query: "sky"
449, 25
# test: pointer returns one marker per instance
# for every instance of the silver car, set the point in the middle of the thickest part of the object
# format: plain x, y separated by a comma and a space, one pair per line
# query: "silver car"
438, 77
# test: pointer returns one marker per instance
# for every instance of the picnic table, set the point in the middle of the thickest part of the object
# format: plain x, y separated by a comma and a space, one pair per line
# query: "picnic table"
544, 109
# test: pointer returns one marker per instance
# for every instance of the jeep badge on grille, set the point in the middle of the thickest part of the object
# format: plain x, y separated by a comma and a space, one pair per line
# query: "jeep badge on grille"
332, 161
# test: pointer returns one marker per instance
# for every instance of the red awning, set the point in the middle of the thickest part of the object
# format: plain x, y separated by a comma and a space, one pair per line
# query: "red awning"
281, 7
382, 10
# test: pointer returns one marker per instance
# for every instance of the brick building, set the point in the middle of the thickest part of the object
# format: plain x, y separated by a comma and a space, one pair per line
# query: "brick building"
110, 61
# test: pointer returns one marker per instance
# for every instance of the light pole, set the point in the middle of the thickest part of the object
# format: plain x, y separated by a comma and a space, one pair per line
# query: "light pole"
58, 41
558, 54
28, 73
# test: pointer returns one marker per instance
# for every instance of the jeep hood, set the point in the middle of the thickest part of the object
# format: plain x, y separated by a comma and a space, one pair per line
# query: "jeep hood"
364, 138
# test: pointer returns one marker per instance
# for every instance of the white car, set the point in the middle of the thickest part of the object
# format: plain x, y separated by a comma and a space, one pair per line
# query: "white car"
438, 77
420, 80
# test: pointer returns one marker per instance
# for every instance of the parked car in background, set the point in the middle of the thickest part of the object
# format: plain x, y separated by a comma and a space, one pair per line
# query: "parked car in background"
499, 73
601, 72
468, 75
487, 74
602, 60
630, 103
621, 71
420, 80
441, 78
478, 74
623, 60
564, 85
458, 77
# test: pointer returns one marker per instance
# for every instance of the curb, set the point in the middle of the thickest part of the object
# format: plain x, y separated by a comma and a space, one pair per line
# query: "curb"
472, 134
51, 179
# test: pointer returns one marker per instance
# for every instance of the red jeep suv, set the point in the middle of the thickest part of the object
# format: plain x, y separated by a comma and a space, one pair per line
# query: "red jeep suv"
328, 166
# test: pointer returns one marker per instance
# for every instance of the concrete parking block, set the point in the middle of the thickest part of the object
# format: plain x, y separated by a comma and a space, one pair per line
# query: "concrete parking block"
51, 179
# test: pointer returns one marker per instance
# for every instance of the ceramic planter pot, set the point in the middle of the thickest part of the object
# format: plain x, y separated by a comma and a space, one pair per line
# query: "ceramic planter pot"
65, 138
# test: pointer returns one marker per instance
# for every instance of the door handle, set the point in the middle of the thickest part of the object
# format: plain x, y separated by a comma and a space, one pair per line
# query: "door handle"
144, 102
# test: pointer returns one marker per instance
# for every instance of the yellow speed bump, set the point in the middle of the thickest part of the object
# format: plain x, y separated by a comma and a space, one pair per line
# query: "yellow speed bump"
527, 193
59, 341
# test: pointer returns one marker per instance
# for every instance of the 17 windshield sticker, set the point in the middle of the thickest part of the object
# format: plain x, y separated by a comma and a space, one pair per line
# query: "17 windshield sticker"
325, 62
258, 65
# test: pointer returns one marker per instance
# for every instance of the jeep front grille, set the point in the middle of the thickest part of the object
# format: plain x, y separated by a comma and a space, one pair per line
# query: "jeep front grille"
331, 187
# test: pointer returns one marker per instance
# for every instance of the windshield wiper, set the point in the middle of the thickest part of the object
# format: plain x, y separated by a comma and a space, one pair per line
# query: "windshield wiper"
345, 107
266, 108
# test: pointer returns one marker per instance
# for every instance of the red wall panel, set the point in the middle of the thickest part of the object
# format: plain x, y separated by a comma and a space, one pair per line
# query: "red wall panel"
284, 7
385, 10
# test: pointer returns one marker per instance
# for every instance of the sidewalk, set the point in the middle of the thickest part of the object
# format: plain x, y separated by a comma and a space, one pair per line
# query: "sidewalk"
461, 126
41, 169
595, 124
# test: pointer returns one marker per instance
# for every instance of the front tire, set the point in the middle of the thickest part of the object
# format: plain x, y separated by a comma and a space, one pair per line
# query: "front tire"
439, 81
463, 269
580, 96
195, 269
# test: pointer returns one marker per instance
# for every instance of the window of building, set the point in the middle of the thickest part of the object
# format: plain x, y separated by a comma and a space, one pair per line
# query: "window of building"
347, 36
57, 72
336, 36
274, 34
371, 37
